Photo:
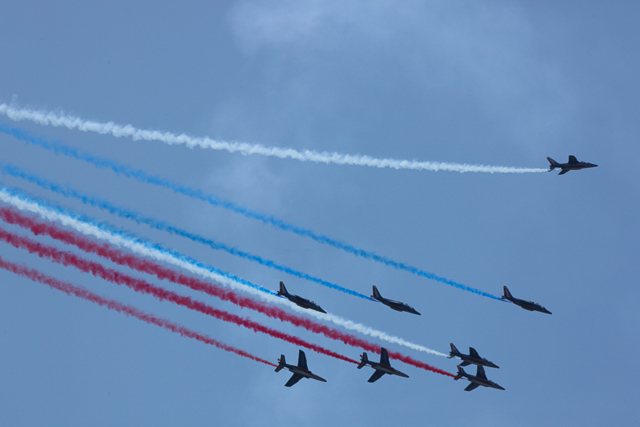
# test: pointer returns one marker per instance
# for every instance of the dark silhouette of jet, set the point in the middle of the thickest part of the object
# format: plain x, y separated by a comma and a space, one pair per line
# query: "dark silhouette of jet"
302, 302
300, 371
472, 357
384, 367
395, 305
480, 379
527, 305
572, 165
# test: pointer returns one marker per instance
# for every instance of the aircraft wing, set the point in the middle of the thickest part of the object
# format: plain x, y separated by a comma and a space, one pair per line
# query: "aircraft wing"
376, 376
294, 379
473, 352
465, 363
384, 357
480, 373
563, 171
572, 159
471, 386
302, 361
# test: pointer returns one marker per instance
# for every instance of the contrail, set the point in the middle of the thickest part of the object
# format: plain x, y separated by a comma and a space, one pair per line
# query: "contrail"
85, 294
213, 200
159, 254
110, 128
117, 256
163, 226
68, 258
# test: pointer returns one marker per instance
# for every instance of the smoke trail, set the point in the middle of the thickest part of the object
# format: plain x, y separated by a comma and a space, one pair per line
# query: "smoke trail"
138, 285
71, 122
161, 255
86, 266
141, 176
163, 226
85, 294
13, 217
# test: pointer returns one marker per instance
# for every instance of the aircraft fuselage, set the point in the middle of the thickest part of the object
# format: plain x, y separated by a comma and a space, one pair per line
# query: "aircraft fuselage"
298, 300
529, 305
394, 305
305, 373
572, 165
387, 369
483, 382
477, 361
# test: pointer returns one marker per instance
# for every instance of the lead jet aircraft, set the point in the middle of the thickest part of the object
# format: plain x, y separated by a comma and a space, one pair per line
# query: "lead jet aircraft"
300, 371
527, 305
573, 164
302, 302
472, 357
480, 379
395, 305
384, 367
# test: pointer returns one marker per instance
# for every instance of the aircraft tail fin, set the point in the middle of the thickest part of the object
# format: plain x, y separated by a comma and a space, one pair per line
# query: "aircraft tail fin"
376, 294
461, 373
281, 361
454, 351
363, 360
507, 294
283, 290
552, 164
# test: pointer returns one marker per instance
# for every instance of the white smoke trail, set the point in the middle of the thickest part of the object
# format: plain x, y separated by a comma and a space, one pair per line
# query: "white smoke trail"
72, 122
148, 250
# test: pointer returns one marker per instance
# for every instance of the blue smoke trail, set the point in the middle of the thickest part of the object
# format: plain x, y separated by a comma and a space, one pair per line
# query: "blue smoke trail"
113, 230
120, 169
66, 191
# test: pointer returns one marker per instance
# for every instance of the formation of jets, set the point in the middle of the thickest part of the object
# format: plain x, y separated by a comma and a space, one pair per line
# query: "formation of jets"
301, 370
384, 366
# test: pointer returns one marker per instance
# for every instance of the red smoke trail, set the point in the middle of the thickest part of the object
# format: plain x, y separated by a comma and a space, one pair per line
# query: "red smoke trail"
138, 285
12, 216
121, 308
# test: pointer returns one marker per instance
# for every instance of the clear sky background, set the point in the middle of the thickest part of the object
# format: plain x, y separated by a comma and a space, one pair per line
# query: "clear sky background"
501, 83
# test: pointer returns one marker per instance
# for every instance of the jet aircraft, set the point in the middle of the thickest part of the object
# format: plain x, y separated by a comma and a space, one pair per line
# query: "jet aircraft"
480, 379
527, 305
300, 371
395, 305
573, 164
302, 302
472, 357
384, 367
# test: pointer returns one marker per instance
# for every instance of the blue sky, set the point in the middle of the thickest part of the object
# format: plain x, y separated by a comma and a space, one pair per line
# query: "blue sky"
500, 83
